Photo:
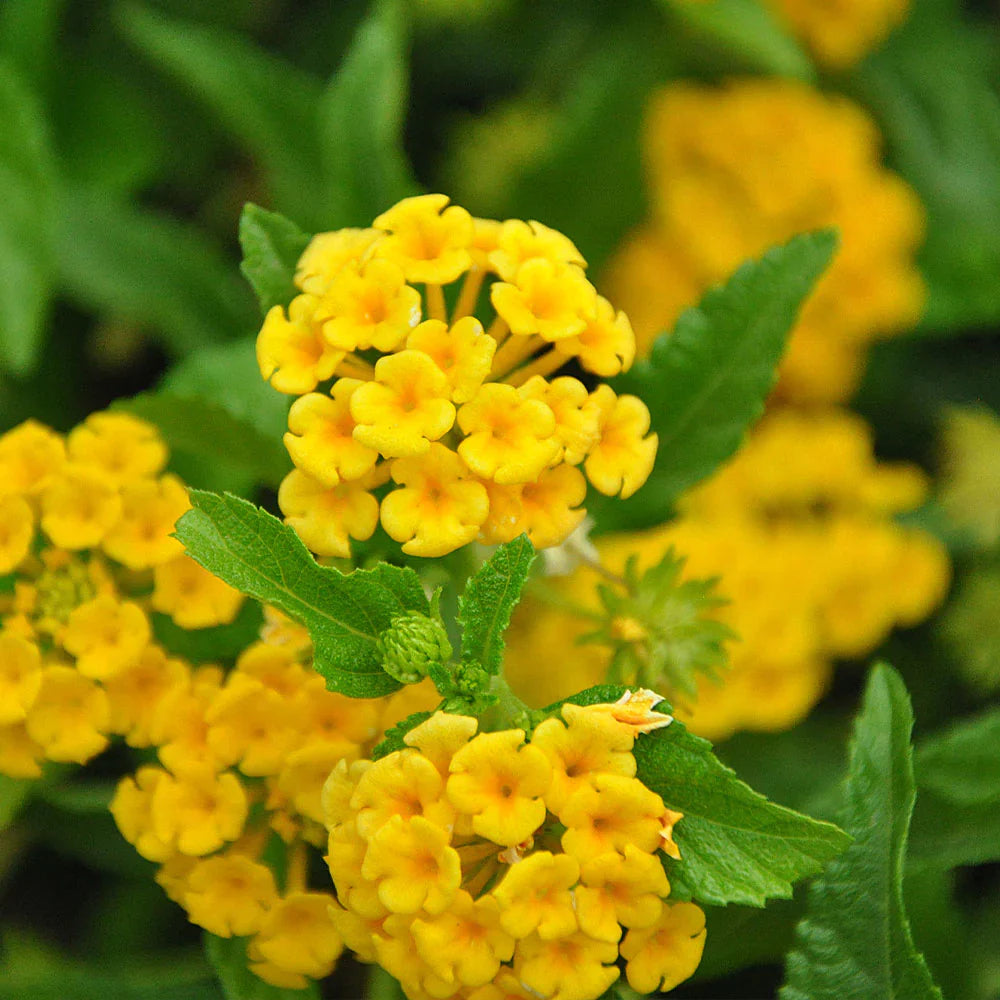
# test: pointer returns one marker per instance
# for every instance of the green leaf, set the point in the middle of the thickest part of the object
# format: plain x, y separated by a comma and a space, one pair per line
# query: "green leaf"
361, 117
271, 246
706, 382
132, 264
268, 104
14, 793
855, 940
957, 816
344, 613
229, 959
736, 846
205, 428
28, 29
219, 644
27, 220
744, 30
490, 597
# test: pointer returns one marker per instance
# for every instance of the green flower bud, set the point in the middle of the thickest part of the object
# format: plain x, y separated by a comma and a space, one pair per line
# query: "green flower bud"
409, 646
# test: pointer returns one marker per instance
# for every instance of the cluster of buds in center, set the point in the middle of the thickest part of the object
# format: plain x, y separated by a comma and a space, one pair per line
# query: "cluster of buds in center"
489, 866
461, 413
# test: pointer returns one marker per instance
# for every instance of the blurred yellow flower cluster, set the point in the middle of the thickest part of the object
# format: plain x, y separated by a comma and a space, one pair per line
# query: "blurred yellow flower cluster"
235, 797
489, 866
839, 34
799, 528
736, 169
86, 554
477, 437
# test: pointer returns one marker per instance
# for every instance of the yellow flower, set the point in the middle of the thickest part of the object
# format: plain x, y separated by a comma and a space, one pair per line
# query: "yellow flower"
118, 446
17, 529
587, 745
663, 955
609, 813
499, 782
20, 676
320, 436
69, 716
405, 407
414, 864
439, 508
291, 352
620, 891
466, 944
136, 694
179, 729
132, 809
535, 896
19, 753
229, 895
327, 517
547, 299
192, 596
430, 242
440, 737
198, 809
106, 636
623, 457
305, 769
361, 287
143, 536
79, 507
29, 454
510, 436
568, 968
518, 242
633, 711
298, 936
369, 305
464, 353
250, 724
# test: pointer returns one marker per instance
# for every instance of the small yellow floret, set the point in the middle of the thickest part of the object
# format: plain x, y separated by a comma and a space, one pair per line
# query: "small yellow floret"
570, 968
606, 344
324, 517
132, 809
550, 506
79, 507
623, 458
143, 536
517, 242
297, 935
499, 782
328, 254
106, 636
663, 955
430, 242
192, 596
20, 755
20, 676
464, 353
291, 351
439, 508
199, 810
119, 446
535, 896
545, 298
229, 895
17, 529
69, 718
29, 454
136, 694
441, 736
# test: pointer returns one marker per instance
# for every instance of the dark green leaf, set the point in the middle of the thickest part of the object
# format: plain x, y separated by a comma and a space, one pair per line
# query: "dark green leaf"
14, 792
740, 937
219, 644
132, 264
706, 382
271, 246
736, 847
27, 220
27, 31
490, 597
744, 30
202, 427
254, 552
268, 104
855, 940
361, 123
229, 959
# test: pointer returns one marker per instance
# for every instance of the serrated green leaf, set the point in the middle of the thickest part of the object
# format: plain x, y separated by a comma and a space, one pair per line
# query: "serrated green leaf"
132, 264
271, 247
747, 31
706, 382
229, 959
202, 427
736, 846
490, 597
344, 613
361, 117
268, 104
27, 220
855, 940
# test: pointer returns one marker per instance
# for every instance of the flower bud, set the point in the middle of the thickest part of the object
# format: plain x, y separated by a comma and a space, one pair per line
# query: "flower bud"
409, 646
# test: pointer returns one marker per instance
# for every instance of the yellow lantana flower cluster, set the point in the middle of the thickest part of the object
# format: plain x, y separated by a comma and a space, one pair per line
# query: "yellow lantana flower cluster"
242, 761
799, 528
736, 169
86, 554
478, 439
489, 866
